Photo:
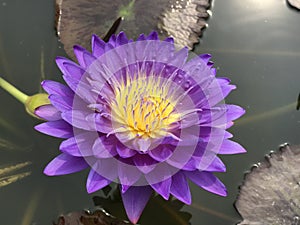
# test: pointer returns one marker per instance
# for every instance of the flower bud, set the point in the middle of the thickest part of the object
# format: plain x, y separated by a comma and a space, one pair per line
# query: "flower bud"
35, 101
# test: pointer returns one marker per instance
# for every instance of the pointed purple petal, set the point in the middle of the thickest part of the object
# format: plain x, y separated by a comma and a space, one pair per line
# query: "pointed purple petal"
106, 168
99, 123
207, 181
216, 166
122, 39
104, 149
205, 57
234, 112
96, 182
128, 174
56, 88
58, 128
69, 68
225, 85
62, 103
135, 200
82, 89
65, 164
230, 147
180, 57
77, 119
97, 46
180, 188
84, 58
153, 36
80, 145
161, 153
124, 151
163, 188
48, 112
144, 163
142, 37
170, 40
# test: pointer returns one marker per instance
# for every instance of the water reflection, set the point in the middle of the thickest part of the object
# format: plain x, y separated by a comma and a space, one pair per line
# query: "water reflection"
9, 174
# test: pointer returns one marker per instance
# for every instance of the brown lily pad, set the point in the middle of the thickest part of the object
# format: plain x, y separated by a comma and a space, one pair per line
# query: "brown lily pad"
294, 3
170, 211
77, 20
98, 217
270, 194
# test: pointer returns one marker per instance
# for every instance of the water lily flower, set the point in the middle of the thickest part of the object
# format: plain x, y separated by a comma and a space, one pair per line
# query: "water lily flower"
143, 114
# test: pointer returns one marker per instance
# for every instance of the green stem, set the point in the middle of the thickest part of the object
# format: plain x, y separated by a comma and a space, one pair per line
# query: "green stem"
13, 91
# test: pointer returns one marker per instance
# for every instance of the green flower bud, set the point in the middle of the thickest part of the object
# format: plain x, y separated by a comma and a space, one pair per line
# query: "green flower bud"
35, 101
31, 103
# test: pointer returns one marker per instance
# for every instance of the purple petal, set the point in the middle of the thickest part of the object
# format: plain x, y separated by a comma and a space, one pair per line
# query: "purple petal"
178, 159
65, 164
77, 119
216, 166
122, 39
217, 90
225, 86
96, 182
84, 58
180, 188
82, 89
105, 168
205, 57
58, 128
153, 36
135, 200
56, 88
170, 40
180, 57
112, 40
97, 46
144, 163
163, 188
48, 112
161, 153
80, 145
234, 112
62, 103
142, 37
104, 149
99, 123
207, 181
231, 147
69, 68
192, 164
128, 174
124, 151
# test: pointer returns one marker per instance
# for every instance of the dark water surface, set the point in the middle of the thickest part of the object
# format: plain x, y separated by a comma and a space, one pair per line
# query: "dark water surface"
253, 42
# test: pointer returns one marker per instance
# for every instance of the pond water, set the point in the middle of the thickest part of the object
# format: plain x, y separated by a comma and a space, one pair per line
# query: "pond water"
255, 43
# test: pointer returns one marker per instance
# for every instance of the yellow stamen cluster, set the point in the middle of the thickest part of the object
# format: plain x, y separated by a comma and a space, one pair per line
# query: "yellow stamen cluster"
143, 107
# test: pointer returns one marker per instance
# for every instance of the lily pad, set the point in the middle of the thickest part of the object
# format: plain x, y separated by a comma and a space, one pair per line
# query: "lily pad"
294, 3
98, 217
77, 20
270, 194
166, 212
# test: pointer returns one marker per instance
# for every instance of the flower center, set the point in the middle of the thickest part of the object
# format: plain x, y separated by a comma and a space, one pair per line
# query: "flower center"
143, 107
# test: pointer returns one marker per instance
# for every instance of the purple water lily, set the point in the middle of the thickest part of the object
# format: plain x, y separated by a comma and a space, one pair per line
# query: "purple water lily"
143, 114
